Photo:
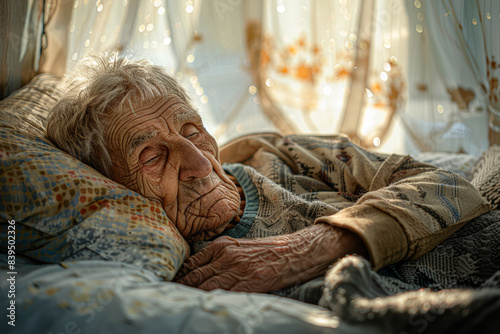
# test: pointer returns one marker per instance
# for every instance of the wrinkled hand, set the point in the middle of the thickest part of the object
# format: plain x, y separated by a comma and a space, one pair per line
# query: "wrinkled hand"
268, 264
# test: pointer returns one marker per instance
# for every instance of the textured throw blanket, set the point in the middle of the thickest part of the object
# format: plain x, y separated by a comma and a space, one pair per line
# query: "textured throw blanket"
455, 288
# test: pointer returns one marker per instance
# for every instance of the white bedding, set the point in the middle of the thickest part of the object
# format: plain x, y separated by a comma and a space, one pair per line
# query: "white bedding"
109, 297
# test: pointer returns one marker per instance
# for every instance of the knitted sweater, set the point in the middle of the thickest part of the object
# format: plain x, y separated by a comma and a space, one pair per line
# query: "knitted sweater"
399, 207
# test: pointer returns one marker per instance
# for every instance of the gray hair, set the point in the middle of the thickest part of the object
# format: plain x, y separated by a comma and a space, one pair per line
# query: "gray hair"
98, 87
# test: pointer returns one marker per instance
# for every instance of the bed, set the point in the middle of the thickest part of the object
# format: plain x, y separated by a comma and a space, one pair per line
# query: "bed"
83, 254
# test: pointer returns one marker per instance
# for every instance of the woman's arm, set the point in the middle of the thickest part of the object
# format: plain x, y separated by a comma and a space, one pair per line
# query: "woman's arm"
268, 264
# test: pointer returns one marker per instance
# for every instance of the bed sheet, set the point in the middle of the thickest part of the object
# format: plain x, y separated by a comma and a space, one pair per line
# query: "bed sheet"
111, 297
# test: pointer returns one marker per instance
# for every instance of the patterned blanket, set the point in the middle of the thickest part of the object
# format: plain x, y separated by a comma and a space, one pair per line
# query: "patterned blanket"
433, 293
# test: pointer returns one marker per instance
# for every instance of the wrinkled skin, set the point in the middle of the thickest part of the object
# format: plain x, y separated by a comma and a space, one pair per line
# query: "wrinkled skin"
163, 152
269, 264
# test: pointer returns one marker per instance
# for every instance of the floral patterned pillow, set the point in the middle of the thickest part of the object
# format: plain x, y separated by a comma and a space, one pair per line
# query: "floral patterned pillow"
486, 176
63, 209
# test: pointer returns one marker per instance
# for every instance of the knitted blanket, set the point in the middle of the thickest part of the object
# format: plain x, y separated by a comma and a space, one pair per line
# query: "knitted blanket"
455, 288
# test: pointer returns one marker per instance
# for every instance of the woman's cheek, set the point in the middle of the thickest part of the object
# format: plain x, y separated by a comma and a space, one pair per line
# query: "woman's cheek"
210, 145
148, 188
167, 190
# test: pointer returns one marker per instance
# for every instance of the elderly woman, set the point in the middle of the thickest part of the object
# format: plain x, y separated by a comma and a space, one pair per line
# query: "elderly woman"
287, 207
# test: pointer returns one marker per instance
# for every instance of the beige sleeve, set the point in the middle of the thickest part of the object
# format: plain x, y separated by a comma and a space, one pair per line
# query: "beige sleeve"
408, 218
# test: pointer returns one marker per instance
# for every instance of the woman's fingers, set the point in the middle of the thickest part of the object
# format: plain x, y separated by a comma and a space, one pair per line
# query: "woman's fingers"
198, 276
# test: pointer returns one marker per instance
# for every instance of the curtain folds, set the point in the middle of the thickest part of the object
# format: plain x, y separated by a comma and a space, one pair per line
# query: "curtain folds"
332, 66
21, 28
453, 48
396, 75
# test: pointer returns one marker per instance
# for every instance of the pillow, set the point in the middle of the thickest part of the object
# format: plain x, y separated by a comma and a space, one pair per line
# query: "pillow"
63, 209
486, 176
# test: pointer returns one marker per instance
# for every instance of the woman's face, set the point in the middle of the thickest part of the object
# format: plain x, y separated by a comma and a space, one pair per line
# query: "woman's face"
163, 152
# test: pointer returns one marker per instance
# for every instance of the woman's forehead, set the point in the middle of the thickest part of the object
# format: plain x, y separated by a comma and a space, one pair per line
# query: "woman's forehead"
161, 113
170, 108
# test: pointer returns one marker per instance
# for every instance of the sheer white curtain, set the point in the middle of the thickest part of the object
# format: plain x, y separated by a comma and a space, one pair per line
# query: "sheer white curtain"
397, 75
160, 30
454, 50
333, 66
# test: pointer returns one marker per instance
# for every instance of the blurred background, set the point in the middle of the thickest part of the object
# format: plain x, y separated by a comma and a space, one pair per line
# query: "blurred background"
403, 76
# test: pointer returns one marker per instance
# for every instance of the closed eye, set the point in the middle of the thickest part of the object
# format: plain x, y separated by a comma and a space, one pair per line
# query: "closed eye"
151, 161
149, 156
190, 131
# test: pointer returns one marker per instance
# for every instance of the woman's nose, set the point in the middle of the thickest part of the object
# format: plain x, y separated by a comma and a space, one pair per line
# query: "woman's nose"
194, 164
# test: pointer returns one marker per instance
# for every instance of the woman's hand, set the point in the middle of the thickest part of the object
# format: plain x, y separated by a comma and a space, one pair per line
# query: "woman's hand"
268, 264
